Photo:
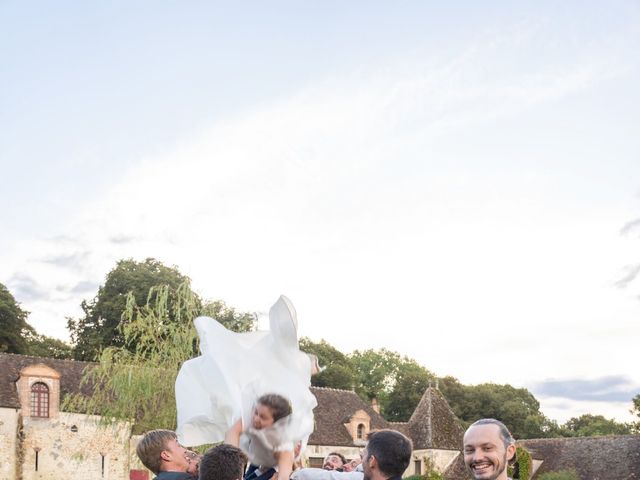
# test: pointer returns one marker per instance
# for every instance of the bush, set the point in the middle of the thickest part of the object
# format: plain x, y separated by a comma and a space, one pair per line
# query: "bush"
523, 465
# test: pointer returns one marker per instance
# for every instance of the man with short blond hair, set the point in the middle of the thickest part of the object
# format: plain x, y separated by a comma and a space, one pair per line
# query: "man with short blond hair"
161, 453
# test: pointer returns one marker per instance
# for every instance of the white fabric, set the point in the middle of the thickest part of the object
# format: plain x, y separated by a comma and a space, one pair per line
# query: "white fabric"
221, 386
320, 474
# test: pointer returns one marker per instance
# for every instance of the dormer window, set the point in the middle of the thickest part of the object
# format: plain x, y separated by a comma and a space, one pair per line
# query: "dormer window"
39, 400
361, 431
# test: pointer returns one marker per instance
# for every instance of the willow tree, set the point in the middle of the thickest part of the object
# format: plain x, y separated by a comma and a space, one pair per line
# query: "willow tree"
135, 382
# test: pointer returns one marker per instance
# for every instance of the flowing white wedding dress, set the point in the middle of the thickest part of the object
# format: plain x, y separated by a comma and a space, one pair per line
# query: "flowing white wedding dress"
221, 386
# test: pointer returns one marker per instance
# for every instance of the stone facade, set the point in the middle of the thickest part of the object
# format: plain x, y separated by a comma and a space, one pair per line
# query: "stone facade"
38, 441
9, 444
75, 446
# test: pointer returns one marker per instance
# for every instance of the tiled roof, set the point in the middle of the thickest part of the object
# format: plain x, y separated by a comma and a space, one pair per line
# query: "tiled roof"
335, 408
434, 425
457, 470
594, 458
11, 364
402, 427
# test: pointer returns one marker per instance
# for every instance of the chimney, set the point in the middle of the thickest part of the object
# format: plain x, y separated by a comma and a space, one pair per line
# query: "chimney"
374, 405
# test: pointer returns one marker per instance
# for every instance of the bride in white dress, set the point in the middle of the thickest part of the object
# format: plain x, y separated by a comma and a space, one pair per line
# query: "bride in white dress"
220, 387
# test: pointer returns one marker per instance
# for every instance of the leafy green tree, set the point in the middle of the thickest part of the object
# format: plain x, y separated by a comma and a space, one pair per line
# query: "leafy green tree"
376, 372
13, 324
588, 425
99, 328
411, 382
516, 407
636, 411
338, 371
135, 381
42, 346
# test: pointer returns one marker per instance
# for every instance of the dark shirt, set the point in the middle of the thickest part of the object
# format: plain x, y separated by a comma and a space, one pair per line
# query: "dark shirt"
174, 476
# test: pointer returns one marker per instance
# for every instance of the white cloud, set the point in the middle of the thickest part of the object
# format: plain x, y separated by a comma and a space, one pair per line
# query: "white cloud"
339, 197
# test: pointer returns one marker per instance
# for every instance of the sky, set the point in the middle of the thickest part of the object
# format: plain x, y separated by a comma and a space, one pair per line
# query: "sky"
459, 183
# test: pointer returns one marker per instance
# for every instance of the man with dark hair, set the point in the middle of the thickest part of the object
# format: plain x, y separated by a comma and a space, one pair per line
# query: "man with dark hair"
386, 456
488, 448
161, 453
223, 462
334, 461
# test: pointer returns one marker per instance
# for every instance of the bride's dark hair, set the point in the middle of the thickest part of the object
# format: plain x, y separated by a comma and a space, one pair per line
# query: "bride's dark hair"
279, 406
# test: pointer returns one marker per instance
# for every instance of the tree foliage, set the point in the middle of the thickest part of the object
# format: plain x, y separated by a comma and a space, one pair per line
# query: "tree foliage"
338, 371
635, 410
13, 324
588, 425
135, 381
515, 407
43, 346
411, 382
99, 328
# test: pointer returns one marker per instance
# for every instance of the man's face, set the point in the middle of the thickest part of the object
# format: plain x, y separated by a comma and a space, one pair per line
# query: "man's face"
485, 454
366, 468
176, 455
194, 462
332, 462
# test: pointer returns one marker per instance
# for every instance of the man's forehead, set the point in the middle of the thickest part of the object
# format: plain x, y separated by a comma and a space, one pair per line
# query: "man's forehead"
487, 433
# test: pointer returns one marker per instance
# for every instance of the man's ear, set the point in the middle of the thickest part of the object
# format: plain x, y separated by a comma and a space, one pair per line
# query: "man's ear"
373, 461
511, 452
165, 455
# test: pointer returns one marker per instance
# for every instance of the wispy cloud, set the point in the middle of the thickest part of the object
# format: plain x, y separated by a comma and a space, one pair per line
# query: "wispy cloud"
26, 288
75, 260
615, 388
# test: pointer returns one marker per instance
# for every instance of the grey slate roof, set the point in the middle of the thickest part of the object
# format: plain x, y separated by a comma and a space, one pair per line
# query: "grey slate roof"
335, 408
434, 425
593, 458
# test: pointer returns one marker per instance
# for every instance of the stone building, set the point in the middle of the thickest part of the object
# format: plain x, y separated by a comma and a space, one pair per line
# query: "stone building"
343, 420
39, 441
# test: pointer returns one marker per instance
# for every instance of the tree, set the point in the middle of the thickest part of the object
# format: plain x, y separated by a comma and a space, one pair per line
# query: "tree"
42, 346
135, 381
411, 382
98, 328
516, 407
338, 371
376, 372
636, 411
588, 425
13, 324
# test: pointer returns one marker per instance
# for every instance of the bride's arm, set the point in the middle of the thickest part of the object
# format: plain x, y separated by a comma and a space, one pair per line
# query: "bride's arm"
232, 437
285, 464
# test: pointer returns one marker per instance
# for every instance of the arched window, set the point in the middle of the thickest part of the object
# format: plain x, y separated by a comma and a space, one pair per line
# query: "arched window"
361, 431
39, 400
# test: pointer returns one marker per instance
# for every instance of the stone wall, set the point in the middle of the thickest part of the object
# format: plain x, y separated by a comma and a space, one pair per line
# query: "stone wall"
438, 459
74, 446
9, 426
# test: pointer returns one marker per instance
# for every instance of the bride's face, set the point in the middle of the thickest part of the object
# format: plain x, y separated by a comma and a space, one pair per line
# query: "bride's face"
262, 417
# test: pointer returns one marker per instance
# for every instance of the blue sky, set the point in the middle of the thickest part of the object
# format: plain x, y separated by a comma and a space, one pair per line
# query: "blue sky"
444, 181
